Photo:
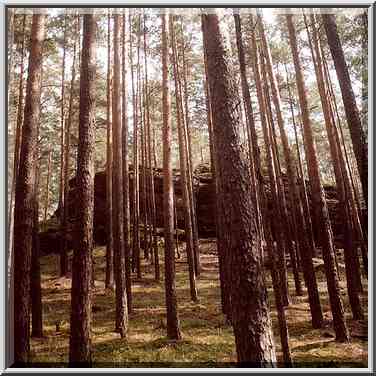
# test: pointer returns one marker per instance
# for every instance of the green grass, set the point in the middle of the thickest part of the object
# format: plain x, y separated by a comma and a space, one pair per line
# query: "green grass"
207, 340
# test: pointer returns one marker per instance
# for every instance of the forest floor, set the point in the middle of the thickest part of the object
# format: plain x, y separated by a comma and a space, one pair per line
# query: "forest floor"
207, 340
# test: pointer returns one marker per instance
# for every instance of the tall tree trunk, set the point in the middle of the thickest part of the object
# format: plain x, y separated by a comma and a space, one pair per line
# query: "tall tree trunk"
48, 177
173, 326
319, 202
17, 140
127, 249
192, 198
109, 282
283, 329
35, 276
209, 116
151, 168
357, 133
249, 115
66, 164
303, 198
297, 215
352, 272
80, 320
121, 325
183, 168
225, 293
24, 202
277, 220
354, 200
136, 193
63, 253
250, 316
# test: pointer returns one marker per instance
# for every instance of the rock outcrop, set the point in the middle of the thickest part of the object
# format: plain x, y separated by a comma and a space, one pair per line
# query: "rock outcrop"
204, 191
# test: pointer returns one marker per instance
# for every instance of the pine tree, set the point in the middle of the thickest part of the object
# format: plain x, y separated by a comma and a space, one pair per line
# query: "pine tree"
250, 316
319, 202
109, 282
24, 199
127, 249
352, 272
80, 320
357, 133
121, 325
173, 326
63, 253
183, 167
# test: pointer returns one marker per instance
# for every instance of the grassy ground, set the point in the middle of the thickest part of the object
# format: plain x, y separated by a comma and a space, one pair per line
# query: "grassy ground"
207, 339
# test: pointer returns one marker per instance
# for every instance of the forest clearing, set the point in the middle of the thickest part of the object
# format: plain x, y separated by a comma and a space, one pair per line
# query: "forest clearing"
187, 190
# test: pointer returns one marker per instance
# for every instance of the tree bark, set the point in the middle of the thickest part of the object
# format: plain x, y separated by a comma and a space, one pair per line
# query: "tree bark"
250, 316
192, 199
319, 202
121, 325
277, 219
352, 272
173, 326
80, 320
183, 168
47, 193
297, 218
66, 163
151, 170
136, 181
24, 202
357, 133
109, 282
17, 142
63, 253
127, 249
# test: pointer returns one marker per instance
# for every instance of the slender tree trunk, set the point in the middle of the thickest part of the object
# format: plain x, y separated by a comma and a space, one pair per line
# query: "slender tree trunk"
319, 201
18, 135
276, 220
356, 208
209, 116
127, 249
357, 133
35, 276
352, 272
225, 294
47, 199
109, 282
297, 215
136, 196
173, 326
250, 316
121, 325
183, 168
283, 329
24, 202
151, 170
196, 246
303, 198
66, 163
63, 253
80, 320
249, 115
